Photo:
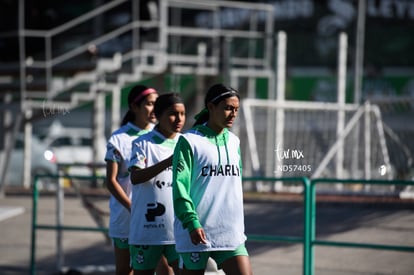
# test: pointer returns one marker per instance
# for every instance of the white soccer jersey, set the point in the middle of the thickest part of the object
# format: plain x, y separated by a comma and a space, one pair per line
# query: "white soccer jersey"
118, 149
208, 190
152, 213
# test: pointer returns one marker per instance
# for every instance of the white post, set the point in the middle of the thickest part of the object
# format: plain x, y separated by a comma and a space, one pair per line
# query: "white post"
98, 131
278, 143
22, 54
200, 79
359, 51
358, 75
367, 145
49, 64
115, 108
163, 25
27, 160
6, 146
135, 33
343, 45
251, 81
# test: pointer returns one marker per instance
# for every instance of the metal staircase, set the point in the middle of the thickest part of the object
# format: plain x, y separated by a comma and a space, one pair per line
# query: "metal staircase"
70, 71
145, 57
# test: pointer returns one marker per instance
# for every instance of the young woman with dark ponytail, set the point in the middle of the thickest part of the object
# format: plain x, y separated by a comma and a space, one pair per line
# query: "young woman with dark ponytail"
138, 120
207, 189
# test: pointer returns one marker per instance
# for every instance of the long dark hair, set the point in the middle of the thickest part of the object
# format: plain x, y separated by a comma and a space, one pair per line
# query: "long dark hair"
165, 101
136, 95
215, 94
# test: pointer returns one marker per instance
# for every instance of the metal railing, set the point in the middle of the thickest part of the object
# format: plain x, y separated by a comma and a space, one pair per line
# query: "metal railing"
308, 238
58, 226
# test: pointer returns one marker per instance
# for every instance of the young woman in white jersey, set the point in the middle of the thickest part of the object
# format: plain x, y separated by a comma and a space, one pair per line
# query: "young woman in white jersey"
138, 120
207, 189
152, 216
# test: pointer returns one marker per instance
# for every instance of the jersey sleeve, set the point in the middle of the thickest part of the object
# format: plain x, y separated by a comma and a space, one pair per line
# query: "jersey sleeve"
112, 153
183, 204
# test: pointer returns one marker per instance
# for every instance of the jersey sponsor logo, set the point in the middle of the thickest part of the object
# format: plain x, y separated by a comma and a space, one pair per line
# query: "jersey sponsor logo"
154, 210
140, 159
220, 170
160, 184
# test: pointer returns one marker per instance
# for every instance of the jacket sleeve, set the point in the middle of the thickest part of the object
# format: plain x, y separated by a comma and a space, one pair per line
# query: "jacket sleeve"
182, 174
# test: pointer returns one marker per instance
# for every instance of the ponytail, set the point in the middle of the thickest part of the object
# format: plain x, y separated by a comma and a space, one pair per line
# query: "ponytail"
128, 117
201, 117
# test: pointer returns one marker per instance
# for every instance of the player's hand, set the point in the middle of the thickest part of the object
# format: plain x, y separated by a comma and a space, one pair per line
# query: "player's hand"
198, 236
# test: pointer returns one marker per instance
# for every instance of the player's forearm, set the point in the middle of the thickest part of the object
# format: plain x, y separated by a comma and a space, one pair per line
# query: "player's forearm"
145, 174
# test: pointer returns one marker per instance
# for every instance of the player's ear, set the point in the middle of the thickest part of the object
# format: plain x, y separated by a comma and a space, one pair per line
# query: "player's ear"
210, 106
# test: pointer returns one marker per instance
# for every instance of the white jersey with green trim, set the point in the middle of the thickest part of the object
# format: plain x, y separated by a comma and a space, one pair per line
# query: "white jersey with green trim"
152, 213
215, 188
118, 149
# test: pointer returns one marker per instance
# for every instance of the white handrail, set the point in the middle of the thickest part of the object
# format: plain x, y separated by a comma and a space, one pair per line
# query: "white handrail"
158, 53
